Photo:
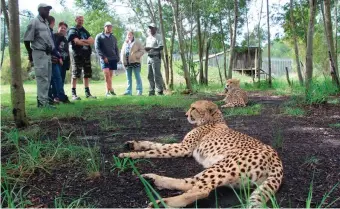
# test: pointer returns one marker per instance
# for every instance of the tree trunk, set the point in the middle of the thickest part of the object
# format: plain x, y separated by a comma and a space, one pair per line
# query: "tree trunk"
3, 45
336, 35
296, 48
206, 62
17, 89
232, 47
200, 48
336, 32
269, 58
224, 48
181, 45
329, 36
219, 70
287, 77
171, 84
309, 51
165, 48
248, 48
150, 11
259, 47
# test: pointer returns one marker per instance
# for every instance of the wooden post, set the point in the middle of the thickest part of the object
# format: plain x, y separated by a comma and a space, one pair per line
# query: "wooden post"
287, 76
256, 64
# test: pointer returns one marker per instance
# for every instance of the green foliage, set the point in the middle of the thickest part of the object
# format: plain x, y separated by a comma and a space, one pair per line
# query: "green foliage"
94, 22
124, 164
278, 139
6, 67
67, 16
278, 48
150, 191
335, 125
320, 91
251, 109
294, 111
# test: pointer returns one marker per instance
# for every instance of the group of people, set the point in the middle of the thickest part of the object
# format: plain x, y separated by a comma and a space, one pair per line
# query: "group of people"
50, 56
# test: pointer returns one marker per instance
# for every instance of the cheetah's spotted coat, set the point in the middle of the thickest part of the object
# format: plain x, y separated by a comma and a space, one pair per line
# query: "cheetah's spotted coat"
226, 154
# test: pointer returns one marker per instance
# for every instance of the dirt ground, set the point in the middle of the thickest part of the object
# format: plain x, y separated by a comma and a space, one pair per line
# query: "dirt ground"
306, 145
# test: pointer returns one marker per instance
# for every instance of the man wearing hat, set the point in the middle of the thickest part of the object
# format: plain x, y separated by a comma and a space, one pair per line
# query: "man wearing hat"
39, 45
154, 46
81, 41
107, 49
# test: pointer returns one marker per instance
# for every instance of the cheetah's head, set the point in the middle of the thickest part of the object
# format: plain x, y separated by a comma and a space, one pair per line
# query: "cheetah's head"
203, 112
232, 84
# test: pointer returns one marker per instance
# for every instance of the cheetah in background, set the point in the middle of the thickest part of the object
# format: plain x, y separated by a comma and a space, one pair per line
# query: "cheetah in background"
235, 97
226, 155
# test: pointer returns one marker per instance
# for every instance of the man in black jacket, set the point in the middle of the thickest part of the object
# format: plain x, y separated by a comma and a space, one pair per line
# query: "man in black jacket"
81, 41
107, 49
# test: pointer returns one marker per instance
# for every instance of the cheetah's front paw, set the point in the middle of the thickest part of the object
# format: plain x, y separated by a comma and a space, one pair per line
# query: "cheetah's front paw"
130, 145
156, 179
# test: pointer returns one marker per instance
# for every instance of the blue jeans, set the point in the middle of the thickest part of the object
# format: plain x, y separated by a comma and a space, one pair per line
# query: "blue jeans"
56, 87
65, 67
139, 86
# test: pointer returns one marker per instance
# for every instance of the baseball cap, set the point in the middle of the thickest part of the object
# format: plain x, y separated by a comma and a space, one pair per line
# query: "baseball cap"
152, 25
107, 24
44, 5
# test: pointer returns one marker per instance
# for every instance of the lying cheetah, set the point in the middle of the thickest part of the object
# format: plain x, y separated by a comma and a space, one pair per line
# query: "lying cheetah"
235, 97
226, 154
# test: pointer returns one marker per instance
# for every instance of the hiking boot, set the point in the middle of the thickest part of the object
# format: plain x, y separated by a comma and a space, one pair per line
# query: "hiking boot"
47, 106
112, 93
66, 101
75, 97
56, 101
151, 93
108, 94
89, 96
160, 93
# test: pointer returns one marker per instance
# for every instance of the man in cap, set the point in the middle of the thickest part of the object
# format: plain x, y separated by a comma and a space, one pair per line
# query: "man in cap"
154, 46
39, 45
81, 41
107, 49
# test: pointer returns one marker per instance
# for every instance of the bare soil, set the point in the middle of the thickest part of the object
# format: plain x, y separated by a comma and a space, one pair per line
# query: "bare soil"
307, 145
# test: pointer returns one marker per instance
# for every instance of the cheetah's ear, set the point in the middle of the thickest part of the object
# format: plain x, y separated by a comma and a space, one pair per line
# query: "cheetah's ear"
212, 107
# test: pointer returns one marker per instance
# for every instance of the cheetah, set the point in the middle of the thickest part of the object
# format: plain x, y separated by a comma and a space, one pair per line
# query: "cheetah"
226, 155
235, 96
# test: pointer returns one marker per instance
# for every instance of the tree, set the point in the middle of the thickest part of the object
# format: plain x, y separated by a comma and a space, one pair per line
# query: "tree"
233, 41
165, 49
330, 41
309, 51
296, 48
174, 5
257, 67
269, 60
17, 89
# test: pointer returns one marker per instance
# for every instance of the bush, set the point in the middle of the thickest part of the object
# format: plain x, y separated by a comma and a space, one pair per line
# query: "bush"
6, 67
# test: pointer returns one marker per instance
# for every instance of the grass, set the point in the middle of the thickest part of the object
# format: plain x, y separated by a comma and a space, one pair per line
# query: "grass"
66, 202
278, 139
124, 164
335, 125
168, 140
254, 109
294, 111
244, 193
150, 191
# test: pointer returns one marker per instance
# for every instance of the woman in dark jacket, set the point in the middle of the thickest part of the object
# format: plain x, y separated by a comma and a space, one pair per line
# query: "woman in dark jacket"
63, 48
